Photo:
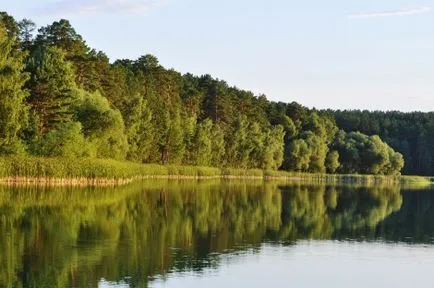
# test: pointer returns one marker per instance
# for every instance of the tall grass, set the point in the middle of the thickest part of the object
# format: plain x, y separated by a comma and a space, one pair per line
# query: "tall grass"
91, 171
97, 171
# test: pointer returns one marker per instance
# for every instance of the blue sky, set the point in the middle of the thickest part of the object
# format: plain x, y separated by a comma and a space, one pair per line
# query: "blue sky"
341, 54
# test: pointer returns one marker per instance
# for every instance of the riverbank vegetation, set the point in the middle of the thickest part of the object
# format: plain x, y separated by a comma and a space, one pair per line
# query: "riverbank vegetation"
91, 171
61, 98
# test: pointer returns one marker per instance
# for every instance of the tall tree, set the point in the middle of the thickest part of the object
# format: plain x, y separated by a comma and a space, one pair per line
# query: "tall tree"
202, 144
273, 149
332, 161
51, 88
26, 29
238, 150
218, 151
9, 23
62, 35
13, 109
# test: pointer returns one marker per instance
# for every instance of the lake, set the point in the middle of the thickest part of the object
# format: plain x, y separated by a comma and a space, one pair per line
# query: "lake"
217, 234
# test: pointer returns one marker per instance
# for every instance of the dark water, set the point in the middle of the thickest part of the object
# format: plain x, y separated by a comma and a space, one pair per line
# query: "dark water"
217, 234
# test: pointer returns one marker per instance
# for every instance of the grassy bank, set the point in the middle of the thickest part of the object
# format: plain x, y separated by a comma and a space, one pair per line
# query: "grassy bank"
367, 179
105, 171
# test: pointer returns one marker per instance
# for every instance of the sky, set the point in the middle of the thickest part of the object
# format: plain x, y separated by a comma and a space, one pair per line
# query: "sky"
339, 54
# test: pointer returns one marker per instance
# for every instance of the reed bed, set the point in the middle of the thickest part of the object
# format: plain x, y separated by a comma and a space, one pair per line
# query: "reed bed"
99, 172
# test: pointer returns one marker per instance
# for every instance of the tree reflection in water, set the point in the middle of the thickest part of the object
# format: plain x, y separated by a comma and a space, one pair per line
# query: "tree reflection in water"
56, 237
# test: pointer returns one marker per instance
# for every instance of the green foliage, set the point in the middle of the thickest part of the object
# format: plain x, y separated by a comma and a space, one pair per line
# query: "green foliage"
366, 154
306, 150
90, 168
138, 110
202, 144
62, 35
51, 88
273, 151
318, 151
26, 28
139, 129
237, 148
332, 161
297, 156
218, 152
8, 22
65, 140
103, 125
86, 170
13, 110
289, 126
408, 133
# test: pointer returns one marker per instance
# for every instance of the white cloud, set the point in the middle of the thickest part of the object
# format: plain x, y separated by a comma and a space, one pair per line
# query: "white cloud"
395, 13
68, 7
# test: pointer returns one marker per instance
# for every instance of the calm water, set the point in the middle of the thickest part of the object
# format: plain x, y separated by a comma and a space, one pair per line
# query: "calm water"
217, 234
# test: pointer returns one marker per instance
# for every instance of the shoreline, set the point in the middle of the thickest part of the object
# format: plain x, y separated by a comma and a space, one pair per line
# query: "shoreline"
81, 181
19, 170
305, 178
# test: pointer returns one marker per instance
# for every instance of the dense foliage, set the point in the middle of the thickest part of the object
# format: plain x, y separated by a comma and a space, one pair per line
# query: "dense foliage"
59, 97
412, 134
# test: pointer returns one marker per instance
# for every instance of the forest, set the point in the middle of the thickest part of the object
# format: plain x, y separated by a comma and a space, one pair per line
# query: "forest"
412, 134
61, 98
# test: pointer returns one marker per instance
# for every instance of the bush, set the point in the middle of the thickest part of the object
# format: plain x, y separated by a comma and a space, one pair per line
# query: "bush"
66, 140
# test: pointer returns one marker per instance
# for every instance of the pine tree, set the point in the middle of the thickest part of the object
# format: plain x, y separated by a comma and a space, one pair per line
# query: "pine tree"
51, 88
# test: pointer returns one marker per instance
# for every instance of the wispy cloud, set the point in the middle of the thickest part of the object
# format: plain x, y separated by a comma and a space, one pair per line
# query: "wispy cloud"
68, 7
395, 13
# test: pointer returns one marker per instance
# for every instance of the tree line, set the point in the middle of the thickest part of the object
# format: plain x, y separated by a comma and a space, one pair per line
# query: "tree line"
59, 97
412, 134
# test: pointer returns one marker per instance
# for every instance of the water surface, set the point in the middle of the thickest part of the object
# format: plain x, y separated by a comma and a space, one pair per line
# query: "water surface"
214, 234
